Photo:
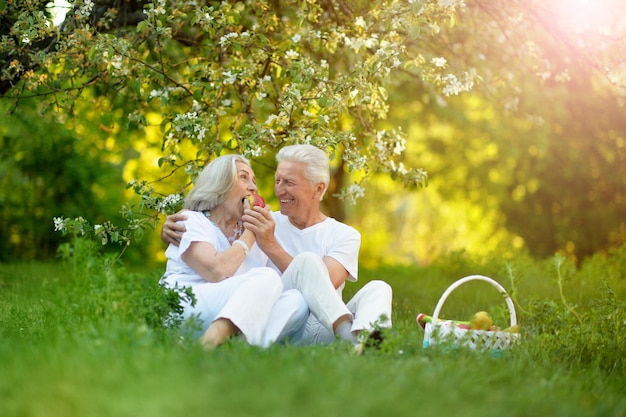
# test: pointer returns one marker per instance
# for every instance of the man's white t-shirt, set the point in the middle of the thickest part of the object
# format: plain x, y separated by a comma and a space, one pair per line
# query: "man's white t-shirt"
328, 238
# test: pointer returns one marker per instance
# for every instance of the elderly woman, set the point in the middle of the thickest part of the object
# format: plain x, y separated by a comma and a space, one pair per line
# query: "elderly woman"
219, 260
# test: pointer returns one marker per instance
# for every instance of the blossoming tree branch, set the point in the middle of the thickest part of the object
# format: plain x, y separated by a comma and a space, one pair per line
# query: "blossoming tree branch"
243, 77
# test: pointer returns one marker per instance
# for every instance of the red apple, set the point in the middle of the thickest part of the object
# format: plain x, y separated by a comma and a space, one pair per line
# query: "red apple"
256, 200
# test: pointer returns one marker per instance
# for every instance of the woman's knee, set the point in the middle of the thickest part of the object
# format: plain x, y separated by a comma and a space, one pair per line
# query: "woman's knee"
269, 277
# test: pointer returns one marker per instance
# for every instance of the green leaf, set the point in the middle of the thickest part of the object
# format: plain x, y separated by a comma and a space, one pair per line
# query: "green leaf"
142, 26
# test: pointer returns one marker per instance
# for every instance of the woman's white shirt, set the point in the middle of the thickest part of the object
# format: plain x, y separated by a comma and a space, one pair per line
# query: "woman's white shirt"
200, 229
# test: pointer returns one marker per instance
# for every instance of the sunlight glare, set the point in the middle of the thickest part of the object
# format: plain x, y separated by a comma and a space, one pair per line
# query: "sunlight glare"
587, 16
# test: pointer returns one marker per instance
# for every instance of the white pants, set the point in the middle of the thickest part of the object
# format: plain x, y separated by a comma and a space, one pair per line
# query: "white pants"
254, 302
370, 307
287, 318
308, 274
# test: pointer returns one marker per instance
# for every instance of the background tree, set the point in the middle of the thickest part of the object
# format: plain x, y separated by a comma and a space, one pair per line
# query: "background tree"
536, 149
47, 171
190, 80
223, 77
559, 134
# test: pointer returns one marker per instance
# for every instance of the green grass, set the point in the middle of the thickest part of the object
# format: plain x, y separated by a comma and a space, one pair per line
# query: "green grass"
78, 339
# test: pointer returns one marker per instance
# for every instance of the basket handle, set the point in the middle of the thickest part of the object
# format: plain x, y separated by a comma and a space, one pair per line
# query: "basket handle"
462, 281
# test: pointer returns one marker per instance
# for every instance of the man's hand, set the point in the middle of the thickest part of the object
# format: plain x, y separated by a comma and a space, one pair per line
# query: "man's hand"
260, 222
172, 232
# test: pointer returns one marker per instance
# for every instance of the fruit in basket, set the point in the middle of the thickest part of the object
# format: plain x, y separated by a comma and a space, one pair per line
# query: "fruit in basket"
512, 329
422, 319
255, 200
481, 321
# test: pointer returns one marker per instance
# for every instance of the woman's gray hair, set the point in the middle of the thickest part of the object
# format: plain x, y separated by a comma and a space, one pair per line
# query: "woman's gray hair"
317, 167
214, 183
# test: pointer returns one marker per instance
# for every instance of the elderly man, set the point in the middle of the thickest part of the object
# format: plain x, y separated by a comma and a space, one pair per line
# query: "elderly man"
315, 253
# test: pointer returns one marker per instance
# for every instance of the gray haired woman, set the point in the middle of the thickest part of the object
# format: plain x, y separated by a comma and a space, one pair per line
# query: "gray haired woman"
236, 293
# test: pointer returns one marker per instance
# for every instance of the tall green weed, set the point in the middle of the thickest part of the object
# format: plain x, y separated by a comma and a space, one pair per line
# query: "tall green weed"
103, 291
588, 336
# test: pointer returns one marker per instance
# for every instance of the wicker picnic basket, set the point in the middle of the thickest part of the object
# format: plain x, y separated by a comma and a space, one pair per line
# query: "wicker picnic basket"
446, 332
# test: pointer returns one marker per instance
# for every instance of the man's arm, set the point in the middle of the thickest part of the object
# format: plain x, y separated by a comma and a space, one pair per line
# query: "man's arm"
338, 274
171, 231
261, 222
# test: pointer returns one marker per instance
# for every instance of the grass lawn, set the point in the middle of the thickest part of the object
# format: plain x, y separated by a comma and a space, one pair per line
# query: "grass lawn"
82, 341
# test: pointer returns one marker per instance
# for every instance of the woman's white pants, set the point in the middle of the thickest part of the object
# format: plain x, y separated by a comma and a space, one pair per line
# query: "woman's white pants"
255, 303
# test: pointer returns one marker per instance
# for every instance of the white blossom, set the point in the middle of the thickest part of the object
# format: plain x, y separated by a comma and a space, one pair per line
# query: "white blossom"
291, 54
454, 85
85, 9
160, 7
117, 61
399, 146
158, 93
230, 78
168, 202
271, 119
253, 152
59, 224
195, 106
352, 192
451, 3
439, 62
186, 116
224, 39
356, 190
400, 169
99, 230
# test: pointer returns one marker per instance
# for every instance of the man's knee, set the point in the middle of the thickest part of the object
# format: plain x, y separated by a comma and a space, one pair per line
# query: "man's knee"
379, 287
307, 258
